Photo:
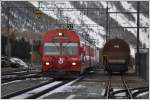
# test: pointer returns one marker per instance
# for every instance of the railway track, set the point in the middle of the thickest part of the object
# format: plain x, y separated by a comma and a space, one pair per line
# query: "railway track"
6, 71
111, 94
128, 92
19, 76
39, 90
108, 88
19, 72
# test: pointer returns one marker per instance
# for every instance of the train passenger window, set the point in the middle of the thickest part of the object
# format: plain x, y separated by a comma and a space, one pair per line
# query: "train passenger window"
70, 48
52, 48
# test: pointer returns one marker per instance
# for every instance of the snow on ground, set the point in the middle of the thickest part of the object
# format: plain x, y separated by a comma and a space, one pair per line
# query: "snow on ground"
63, 88
37, 90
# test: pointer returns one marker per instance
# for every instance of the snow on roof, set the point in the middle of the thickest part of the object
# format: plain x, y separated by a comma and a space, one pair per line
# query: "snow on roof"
19, 61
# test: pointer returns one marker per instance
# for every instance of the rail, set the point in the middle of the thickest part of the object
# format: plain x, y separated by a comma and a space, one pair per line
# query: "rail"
127, 88
108, 88
110, 94
40, 90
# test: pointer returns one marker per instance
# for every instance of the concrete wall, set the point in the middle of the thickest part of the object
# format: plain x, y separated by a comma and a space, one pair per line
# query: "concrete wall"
143, 68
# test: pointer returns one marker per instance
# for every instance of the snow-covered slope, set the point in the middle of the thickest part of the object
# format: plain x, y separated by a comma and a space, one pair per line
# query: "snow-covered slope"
22, 20
124, 21
94, 24
76, 16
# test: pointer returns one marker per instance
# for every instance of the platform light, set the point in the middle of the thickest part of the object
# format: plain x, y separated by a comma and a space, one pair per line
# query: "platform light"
73, 63
60, 34
47, 63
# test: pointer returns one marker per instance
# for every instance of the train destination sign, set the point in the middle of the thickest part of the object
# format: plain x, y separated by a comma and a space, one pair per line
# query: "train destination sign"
61, 37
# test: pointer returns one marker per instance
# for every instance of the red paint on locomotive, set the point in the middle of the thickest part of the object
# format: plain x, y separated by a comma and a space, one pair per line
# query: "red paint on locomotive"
65, 50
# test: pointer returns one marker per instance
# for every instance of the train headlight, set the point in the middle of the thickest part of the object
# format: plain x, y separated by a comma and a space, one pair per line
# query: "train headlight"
60, 34
47, 63
74, 63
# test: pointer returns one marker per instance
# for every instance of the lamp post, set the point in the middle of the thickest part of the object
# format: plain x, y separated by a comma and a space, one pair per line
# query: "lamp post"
38, 13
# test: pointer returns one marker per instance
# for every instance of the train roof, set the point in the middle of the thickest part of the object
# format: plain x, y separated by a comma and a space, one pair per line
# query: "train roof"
71, 33
116, 43
60, 35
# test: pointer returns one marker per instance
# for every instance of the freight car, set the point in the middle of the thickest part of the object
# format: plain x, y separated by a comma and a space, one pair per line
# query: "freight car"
65, 51
116, 56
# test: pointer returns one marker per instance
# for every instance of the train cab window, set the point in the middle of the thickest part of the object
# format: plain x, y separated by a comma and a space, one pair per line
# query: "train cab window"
70, 48
52, 48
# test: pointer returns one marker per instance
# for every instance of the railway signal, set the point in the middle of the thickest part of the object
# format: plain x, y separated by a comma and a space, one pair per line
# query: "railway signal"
38, 13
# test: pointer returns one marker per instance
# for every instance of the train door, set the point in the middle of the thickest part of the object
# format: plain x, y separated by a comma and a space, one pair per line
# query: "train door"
89, 54
105, 63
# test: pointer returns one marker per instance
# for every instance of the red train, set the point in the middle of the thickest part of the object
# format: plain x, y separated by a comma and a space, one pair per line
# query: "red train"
64, 50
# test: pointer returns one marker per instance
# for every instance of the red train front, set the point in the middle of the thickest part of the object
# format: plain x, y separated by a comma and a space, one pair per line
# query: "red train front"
64, 50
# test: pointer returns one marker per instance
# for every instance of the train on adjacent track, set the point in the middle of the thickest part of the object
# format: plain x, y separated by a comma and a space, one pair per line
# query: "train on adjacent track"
64, 50
116, 55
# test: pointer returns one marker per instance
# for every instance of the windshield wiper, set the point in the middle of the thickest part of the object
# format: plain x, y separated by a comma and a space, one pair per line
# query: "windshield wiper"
58, 47
66, 45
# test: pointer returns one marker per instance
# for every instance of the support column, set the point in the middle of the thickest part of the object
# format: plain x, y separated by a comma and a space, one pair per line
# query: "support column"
137, 46
8, 47
107, 23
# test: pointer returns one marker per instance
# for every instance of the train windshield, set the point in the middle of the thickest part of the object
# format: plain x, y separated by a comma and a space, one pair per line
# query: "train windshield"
70, 48
52, 48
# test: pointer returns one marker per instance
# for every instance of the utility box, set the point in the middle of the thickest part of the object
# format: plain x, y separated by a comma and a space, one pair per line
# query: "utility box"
142, 63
